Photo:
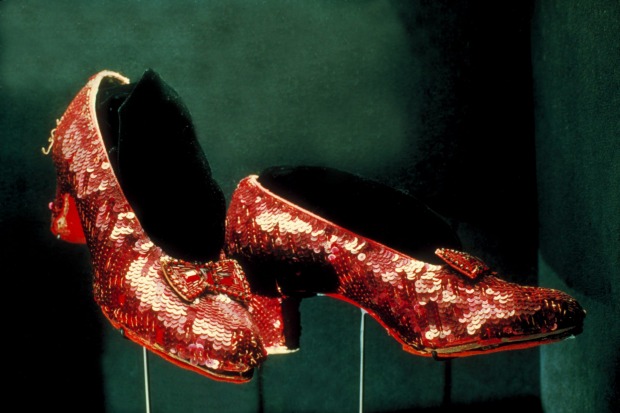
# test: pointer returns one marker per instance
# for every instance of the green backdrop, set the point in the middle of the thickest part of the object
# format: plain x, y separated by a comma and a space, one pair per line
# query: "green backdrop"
503, 116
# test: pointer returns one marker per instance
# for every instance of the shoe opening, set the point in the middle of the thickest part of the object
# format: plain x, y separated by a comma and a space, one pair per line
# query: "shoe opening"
163, 172
363, 206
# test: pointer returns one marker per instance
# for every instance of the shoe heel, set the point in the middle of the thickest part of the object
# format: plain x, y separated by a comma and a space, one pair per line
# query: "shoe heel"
278, 321
66, 224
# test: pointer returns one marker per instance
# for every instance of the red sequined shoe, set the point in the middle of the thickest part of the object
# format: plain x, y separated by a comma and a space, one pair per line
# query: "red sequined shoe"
301, 231
133, 184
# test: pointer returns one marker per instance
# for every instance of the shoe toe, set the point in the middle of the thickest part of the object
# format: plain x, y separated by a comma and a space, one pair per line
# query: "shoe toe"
535, 315
490, 314
229, 337
558, 311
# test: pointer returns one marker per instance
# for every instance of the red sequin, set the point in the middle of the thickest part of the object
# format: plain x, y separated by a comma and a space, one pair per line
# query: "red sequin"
209, 330
452, 310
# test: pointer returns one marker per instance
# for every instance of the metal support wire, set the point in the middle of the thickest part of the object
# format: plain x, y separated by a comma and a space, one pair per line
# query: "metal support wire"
362, 340
147, 394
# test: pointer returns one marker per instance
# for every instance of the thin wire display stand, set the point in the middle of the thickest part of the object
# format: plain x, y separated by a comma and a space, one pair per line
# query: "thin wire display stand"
362, 339
147, 392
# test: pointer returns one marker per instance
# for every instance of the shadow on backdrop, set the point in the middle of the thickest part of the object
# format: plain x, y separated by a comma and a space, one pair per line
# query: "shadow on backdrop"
55, 338
475, 162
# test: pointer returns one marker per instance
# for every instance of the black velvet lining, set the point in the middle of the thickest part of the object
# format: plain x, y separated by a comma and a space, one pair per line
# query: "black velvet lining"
366, 207
160, 165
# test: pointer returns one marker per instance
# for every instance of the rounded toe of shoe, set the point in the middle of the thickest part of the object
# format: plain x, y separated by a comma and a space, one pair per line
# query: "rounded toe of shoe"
544, 315
236, 346
562, 312
516, 317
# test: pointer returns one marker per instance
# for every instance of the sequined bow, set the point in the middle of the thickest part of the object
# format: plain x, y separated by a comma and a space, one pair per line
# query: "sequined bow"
191, 280
463, 262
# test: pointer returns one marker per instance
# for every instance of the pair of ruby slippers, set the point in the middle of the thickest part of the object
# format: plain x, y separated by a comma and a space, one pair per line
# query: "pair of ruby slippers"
216, 289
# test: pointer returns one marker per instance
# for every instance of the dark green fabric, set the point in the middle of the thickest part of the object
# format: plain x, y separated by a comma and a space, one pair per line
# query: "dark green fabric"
576, 66
431, 97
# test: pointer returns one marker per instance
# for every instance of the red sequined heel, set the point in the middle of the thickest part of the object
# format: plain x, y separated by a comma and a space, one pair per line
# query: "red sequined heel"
134, 185
66, 223
304, 230
278, 321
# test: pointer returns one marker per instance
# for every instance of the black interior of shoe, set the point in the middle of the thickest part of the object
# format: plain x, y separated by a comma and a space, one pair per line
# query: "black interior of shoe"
366, 207
161, 167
